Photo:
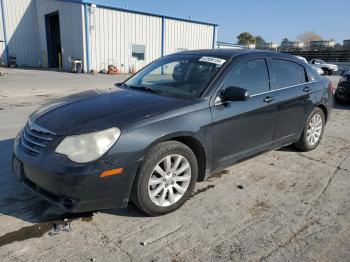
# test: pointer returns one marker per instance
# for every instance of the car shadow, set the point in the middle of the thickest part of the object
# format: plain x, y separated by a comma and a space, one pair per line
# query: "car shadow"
17, 201
289, 148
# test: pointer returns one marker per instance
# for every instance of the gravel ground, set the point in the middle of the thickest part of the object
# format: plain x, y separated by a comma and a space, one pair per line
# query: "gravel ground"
280, 206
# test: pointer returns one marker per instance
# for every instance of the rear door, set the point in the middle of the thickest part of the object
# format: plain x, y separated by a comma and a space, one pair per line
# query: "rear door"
290, 80
242, 128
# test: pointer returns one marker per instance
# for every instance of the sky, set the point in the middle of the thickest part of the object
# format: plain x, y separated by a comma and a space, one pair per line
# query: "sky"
271, 19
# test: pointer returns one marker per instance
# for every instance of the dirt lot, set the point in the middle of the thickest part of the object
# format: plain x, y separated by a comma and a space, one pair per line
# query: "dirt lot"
280, 206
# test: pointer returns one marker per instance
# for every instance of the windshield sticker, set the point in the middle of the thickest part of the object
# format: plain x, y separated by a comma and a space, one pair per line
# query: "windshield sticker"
212, 60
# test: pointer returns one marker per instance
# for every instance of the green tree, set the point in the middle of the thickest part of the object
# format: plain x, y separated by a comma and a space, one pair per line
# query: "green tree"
246, 38
285, 40
259, 41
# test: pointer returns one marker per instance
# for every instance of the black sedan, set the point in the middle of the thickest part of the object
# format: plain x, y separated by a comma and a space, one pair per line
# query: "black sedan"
181, 118
342, 93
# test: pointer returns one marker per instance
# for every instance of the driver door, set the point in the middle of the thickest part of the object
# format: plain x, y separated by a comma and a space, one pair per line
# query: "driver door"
242, 128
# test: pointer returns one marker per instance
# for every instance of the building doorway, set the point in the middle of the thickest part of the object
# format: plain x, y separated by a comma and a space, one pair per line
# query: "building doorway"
53, 39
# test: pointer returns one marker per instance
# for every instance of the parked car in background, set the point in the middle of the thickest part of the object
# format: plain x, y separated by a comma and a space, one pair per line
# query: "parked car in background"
327, 68
318, 70
175, 122
342, 93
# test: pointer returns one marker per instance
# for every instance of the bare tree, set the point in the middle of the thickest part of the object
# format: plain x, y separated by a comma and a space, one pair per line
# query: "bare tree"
308, 36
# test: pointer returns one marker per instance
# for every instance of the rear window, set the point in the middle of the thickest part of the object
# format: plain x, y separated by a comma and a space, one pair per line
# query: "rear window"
287, 73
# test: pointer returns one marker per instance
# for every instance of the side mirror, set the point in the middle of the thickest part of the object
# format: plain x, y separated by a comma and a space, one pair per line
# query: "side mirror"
119, 84
234, 93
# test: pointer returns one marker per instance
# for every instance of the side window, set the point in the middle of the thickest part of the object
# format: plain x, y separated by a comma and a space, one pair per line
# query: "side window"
252, 75
287, 73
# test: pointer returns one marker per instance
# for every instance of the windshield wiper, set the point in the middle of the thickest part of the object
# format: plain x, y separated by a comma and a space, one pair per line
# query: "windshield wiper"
146, 88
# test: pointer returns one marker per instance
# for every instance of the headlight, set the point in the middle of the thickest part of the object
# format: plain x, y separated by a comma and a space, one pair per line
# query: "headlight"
88, 147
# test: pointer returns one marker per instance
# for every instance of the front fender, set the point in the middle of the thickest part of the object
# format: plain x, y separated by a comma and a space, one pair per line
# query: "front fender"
136, 140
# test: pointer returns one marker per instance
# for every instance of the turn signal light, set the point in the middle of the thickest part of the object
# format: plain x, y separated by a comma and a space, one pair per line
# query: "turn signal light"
112, 172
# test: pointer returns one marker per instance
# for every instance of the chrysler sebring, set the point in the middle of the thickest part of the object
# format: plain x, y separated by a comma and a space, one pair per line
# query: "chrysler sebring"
172, 124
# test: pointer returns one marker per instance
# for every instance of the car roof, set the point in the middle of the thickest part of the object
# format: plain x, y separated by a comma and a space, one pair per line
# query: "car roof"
230, 53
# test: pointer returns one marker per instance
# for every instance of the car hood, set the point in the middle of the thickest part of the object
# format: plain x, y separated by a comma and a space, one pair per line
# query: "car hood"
101, 109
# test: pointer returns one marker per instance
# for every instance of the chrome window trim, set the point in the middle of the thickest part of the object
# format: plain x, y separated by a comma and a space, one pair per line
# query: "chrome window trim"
216, 102
283, 88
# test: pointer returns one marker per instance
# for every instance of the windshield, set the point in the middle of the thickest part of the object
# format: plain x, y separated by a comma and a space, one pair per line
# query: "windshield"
321, 61
178, 75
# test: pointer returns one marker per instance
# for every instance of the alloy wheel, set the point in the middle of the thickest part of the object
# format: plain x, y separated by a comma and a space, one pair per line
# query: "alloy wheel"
314, 129
169, 180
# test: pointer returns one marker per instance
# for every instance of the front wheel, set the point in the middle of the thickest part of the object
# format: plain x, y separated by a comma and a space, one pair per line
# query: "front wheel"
166, 178
313, 131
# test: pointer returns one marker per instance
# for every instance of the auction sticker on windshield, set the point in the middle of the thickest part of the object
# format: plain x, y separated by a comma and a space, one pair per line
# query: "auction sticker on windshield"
212, 60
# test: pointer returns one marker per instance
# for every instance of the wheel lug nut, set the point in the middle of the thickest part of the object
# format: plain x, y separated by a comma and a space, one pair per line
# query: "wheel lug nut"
166, 185
174, 175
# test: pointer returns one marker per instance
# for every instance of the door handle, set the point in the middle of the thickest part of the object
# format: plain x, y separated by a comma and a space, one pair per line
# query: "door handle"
307, 89
269, 99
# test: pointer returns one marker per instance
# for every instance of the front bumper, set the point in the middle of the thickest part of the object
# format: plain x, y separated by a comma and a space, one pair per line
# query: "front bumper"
76, 188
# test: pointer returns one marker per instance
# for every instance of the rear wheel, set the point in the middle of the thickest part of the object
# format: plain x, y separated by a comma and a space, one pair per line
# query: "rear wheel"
326, 71
166, 178
313, 131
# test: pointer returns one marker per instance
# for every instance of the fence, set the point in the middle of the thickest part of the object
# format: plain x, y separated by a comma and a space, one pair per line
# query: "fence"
326, 55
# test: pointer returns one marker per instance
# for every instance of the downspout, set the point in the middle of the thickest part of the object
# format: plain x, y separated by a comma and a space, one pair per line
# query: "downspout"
214, 36
163, 37
87, 37
4, 29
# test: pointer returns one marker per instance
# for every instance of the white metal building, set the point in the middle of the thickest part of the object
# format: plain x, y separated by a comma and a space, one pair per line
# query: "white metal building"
225, 45
47, 33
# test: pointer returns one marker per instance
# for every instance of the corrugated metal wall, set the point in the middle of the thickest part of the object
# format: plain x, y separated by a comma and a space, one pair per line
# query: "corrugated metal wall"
2, 38
186, 35
114, 32
71, 24
26, 30
21, 32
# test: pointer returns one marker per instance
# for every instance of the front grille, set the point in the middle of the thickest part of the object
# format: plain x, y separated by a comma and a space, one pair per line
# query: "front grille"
35, 139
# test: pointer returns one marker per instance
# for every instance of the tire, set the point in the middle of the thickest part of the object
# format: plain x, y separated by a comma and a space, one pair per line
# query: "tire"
338, 100
306, 142
326, 71
153, 186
